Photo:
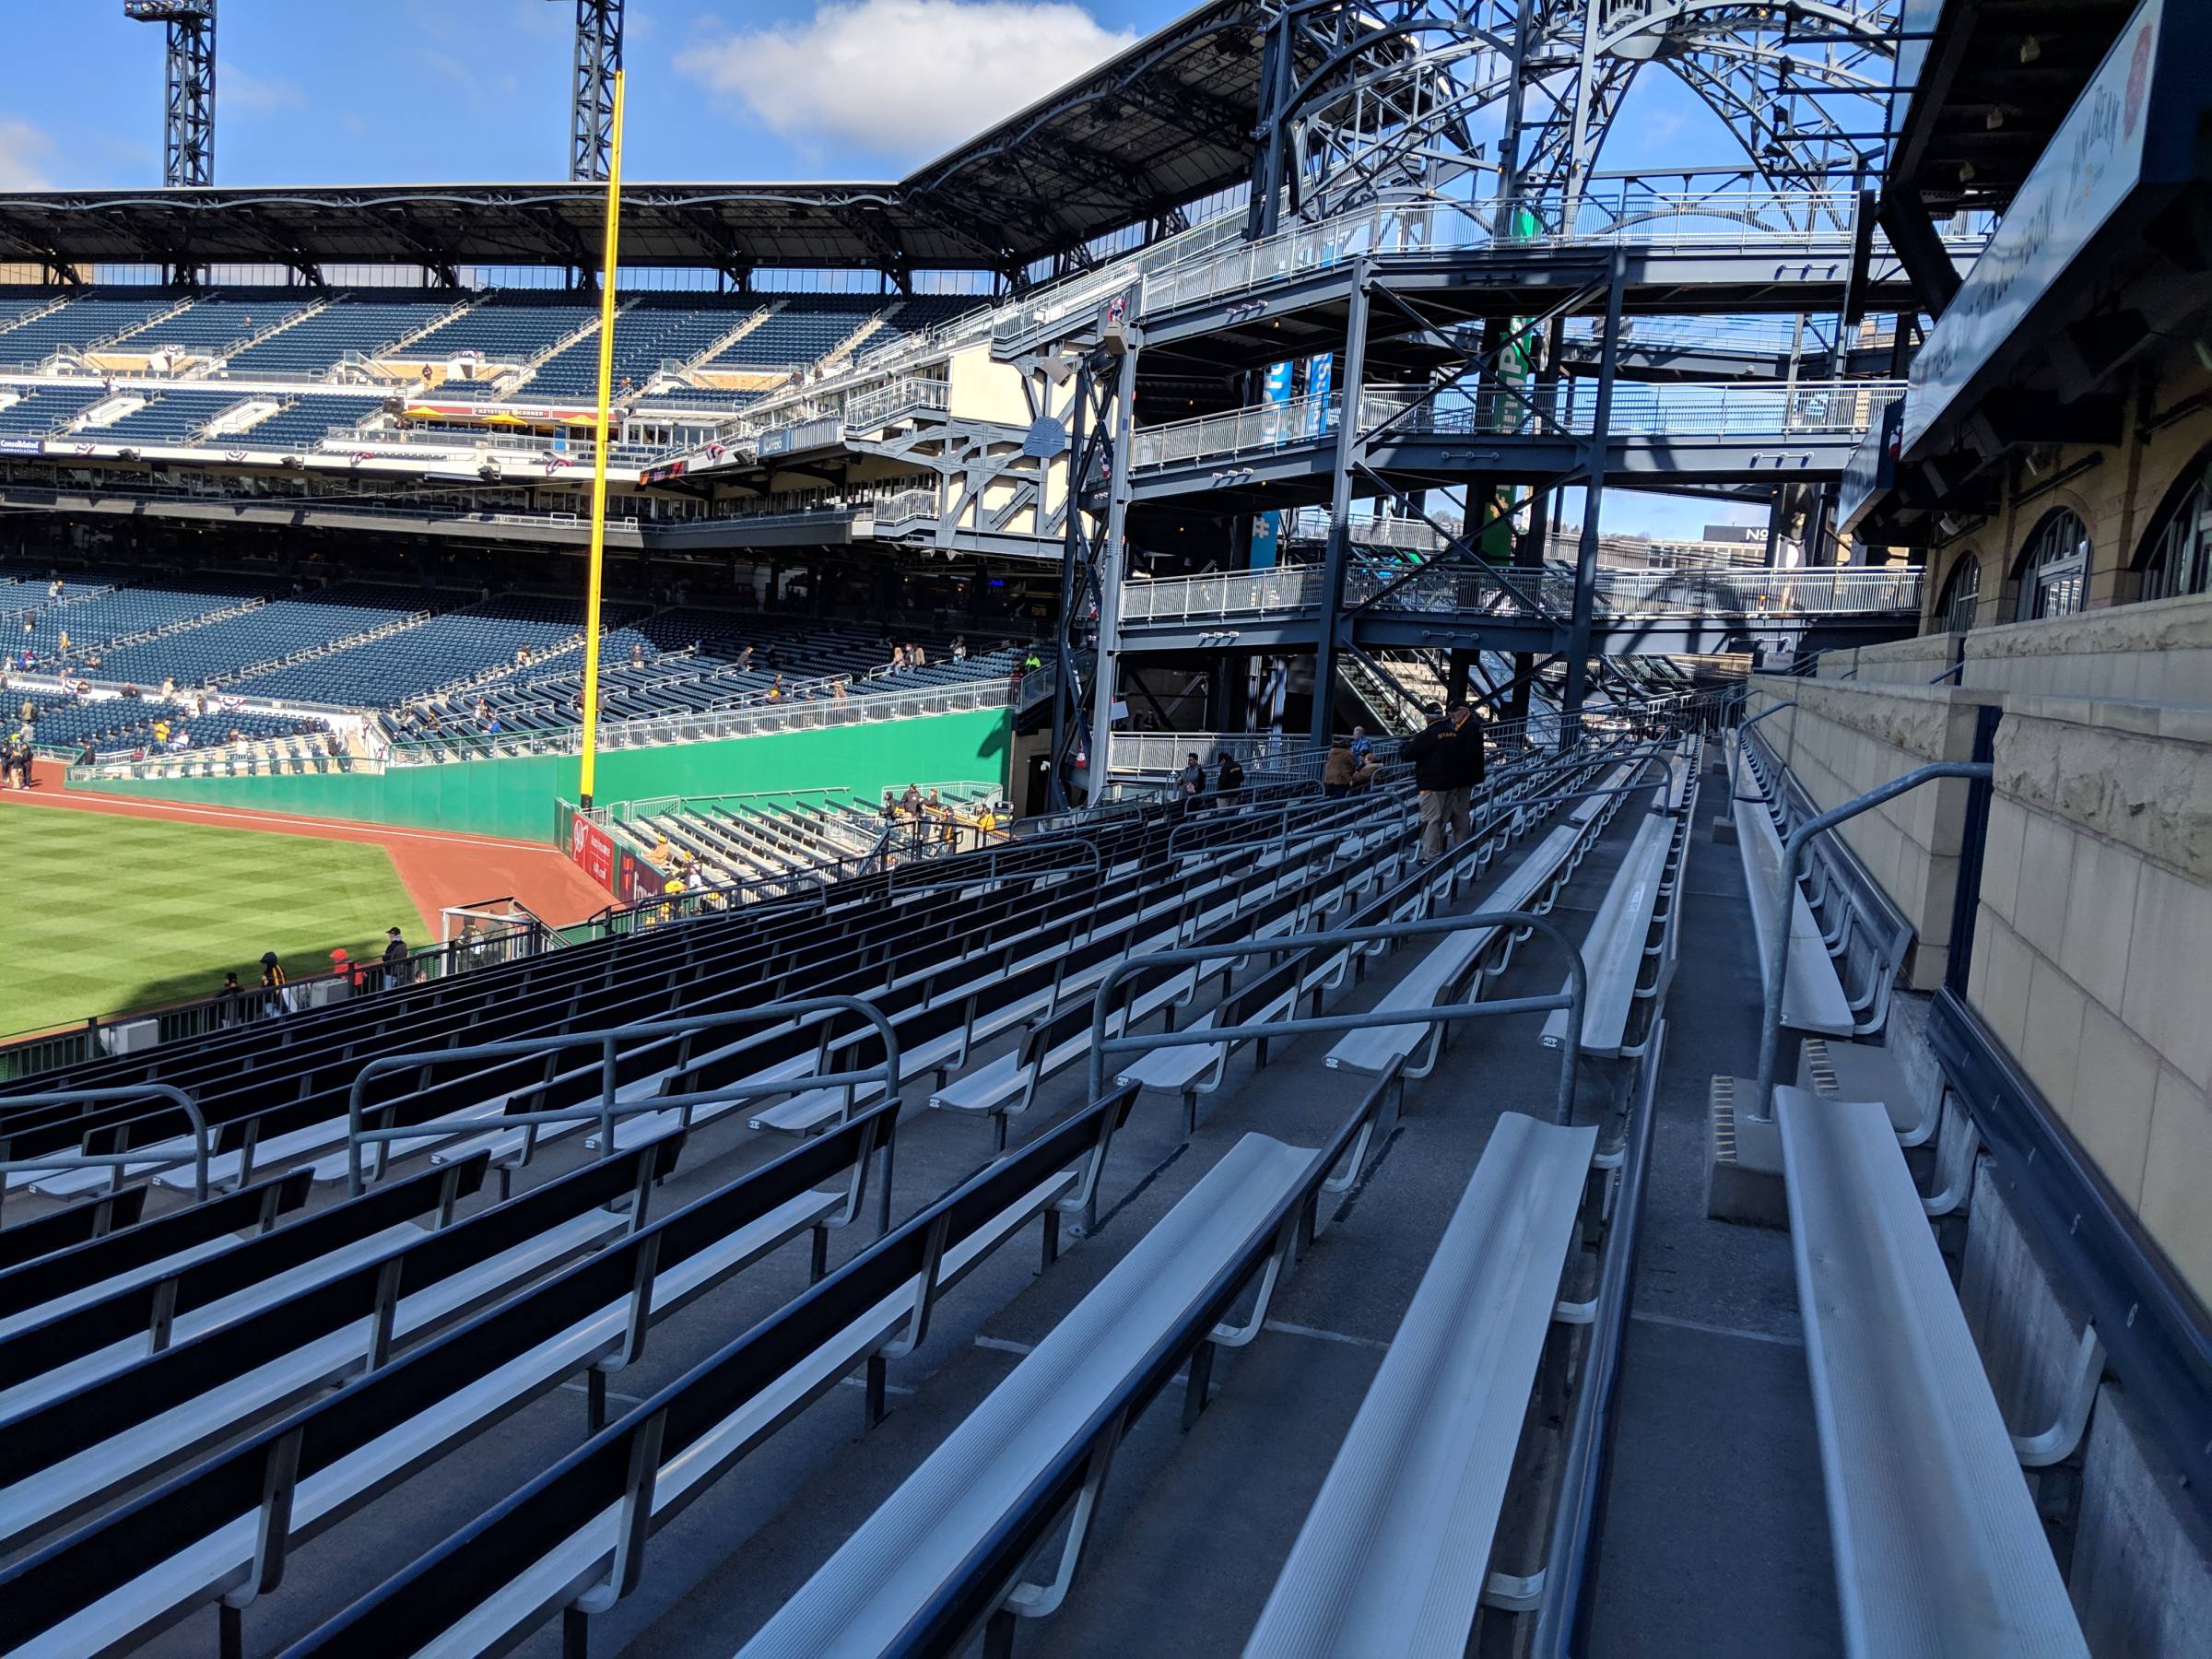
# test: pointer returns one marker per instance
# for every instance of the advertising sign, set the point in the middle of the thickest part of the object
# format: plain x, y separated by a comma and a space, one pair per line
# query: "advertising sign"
593, 851
1268, 527
2092, 163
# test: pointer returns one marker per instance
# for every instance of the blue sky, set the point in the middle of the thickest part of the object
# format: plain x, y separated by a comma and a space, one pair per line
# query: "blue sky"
325, 92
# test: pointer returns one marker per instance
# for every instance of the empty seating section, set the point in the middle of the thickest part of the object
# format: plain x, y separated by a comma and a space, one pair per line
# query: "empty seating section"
364, 322
648, 332
125, 612
804, 328
86, 320
921, 315
190, 1398
507, 327
43, 410
448, 650
303, 423
216, 320
18, 303
170, 416
267, 635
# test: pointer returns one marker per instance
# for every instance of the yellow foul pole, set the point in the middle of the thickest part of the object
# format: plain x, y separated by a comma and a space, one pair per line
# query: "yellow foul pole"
606, 436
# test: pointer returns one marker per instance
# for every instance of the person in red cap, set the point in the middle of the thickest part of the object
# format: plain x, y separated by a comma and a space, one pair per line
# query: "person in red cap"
356, 978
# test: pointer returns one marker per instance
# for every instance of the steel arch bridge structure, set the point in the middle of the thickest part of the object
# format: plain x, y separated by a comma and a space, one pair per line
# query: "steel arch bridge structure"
1504, 106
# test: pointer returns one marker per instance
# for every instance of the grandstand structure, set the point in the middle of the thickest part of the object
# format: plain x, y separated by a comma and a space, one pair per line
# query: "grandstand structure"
1738, 1190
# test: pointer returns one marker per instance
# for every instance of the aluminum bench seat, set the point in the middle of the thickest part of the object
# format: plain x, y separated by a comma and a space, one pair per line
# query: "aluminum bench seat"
1616, 943
55, 1282
1938, 1547
1394, 1554
548, 1544
1813, 997
167, 1403
1378, 1048
138, 1570
865, 1593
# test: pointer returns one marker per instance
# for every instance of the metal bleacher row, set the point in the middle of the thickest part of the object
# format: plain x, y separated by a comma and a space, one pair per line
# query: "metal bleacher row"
189, 1401
249, 1328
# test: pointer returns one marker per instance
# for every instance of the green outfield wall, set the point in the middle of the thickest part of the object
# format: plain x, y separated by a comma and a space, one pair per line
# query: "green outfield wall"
515, 797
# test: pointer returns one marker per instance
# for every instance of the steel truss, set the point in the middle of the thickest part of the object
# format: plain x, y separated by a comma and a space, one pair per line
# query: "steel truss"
1517, 97
598, 57
188, 103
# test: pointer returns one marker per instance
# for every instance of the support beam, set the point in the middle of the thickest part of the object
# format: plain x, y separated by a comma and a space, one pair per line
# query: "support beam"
188, 105
1110, 567
598, 58
1593, 494
1339, 552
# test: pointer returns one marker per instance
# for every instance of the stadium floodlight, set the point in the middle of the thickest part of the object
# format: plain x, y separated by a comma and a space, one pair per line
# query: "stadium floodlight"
599, 59
188, 135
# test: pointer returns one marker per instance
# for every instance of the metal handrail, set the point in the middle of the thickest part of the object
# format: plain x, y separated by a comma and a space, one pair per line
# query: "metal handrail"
119, 1162
1573, 999
608, 1108
1777, 930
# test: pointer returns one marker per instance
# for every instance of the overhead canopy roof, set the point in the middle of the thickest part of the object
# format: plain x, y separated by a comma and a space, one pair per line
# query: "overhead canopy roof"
1165, 122
1990, 85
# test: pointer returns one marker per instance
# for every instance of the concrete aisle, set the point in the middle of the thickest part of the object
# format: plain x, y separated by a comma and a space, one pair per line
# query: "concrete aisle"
1715, 1538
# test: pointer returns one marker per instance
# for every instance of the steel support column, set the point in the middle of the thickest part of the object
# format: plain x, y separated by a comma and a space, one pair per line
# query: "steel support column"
1334, 559
598, 55
1593, 494
1110, 566
188, 105
1067, 707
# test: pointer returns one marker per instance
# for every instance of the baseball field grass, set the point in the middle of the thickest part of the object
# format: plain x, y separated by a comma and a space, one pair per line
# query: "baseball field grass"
100, 914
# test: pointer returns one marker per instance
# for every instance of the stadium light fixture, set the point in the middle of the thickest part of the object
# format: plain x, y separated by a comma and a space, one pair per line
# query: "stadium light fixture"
188, 146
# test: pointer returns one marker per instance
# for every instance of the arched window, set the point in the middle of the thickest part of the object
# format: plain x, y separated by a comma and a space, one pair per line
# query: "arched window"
1961, 595
2054, 571
2177, 554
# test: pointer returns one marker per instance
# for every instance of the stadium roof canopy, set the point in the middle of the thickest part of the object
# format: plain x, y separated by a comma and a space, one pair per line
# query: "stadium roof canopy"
1166, 121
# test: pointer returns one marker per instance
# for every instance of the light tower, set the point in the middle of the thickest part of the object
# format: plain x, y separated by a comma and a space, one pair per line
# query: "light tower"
592, 93
188, 138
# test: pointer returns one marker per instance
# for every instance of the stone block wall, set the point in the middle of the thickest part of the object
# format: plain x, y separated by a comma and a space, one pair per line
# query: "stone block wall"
2093, 944
1846, 738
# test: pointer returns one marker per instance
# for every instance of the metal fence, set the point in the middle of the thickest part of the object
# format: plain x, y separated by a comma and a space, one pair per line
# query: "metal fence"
1460, 589
499, 930
1568, 409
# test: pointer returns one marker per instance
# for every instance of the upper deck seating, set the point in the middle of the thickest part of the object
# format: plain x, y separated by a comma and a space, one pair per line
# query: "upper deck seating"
215, 321
510, 324
366, 320
803, 329
86, 320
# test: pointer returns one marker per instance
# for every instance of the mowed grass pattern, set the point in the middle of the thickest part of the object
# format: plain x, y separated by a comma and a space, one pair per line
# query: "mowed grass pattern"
101, 915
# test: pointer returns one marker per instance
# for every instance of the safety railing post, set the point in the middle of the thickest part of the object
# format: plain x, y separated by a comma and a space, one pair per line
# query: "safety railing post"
1777, 960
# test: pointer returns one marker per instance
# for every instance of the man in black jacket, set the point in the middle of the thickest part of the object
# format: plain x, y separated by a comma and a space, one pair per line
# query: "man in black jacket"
1447, 764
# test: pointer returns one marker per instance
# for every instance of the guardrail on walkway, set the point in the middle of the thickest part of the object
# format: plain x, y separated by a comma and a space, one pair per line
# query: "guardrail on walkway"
1549, 592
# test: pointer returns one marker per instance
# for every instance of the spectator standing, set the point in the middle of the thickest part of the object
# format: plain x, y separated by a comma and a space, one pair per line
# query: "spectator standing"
1447, 764
396, 967
227, 1001
1229, 781
1336, 772
274, 999
1191, 780
1363, 748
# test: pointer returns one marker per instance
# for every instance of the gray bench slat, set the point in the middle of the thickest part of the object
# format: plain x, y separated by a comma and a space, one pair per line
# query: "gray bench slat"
1937, 1545
1813, 998
1394, 1552
863, 1596
1613, 948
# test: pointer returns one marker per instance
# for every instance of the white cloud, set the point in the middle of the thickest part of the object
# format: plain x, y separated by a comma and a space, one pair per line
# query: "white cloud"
23, 148
236, 89
903, 79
